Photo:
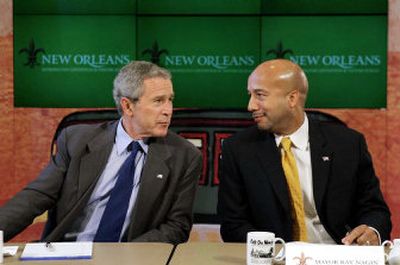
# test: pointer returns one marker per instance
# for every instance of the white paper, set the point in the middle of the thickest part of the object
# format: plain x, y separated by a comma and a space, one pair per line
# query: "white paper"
57, 251
10, 251
323, 254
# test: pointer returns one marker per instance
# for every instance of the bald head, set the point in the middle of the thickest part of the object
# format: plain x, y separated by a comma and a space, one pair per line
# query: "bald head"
285, 74
278, 91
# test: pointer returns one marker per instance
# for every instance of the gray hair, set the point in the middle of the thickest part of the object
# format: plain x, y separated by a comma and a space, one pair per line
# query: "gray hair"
129, 81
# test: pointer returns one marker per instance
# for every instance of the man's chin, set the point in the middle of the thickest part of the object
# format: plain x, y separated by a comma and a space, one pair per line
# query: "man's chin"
264, 127
161, 133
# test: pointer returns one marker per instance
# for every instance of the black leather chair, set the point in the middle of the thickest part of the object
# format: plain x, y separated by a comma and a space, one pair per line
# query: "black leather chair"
206, 129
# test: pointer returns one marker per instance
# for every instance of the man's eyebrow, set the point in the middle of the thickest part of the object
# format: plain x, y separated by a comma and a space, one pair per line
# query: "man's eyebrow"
259, 90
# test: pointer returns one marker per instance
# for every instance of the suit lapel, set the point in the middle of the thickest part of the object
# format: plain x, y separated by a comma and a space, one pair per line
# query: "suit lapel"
270, 159
95, 160
154, 178
92, 164
321, 159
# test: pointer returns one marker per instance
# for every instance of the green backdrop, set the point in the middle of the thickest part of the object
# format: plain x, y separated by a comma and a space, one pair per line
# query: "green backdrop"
67, 53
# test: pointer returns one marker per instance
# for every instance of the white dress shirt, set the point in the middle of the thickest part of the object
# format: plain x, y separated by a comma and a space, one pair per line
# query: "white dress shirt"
316, 232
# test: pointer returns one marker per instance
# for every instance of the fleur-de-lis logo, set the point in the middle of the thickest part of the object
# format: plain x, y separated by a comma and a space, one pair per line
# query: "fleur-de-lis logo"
302, 259
279, 51
155, 53
32, 52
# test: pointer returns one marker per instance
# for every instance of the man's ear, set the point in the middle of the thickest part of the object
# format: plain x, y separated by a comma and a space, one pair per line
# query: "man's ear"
294, 97
126, 106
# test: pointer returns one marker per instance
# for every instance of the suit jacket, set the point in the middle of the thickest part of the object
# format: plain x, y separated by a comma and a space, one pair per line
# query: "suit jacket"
253, 194
163, 208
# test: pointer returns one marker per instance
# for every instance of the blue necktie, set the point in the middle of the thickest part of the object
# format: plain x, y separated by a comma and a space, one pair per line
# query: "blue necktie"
113, 218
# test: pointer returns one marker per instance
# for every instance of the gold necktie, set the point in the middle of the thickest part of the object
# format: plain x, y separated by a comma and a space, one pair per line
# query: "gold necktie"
293, 182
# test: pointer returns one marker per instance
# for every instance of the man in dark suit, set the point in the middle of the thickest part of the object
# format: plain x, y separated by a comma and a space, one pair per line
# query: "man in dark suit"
339, 191
77, 185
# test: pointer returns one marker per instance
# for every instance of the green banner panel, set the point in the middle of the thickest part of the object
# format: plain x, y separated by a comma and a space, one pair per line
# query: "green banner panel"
231, 7
74, 7
69, 61
344, 57
286, 7
210, 57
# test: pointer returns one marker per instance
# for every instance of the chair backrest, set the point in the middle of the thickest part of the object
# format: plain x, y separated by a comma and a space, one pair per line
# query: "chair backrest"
206, 129
324, 117
83, 117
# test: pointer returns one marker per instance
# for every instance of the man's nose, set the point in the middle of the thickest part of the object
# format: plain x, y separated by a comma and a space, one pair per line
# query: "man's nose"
168, 109
251, 106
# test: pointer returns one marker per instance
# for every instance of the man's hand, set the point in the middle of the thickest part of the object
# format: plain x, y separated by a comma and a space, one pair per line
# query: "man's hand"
361, 235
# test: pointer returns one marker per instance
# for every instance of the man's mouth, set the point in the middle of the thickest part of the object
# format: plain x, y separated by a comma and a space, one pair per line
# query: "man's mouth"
257, 116
163, 123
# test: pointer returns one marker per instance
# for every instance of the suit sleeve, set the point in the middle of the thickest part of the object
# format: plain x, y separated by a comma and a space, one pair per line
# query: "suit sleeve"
371, 208
178, 222
233, 206
37, 197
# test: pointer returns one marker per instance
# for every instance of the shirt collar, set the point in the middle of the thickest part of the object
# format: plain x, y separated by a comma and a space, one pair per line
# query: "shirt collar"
122, 140
299, 138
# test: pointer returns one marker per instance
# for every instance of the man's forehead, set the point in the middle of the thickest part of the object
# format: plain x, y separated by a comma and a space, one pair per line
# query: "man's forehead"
157, 83
257, 87
257, 81
157, 86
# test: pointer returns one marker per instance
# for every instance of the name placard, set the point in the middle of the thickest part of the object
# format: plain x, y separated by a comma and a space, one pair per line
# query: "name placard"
321, 254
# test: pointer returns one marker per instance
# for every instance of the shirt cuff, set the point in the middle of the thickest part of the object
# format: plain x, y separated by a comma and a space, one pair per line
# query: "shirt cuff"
377, 233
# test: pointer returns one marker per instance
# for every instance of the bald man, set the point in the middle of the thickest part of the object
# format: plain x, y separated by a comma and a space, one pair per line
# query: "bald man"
341, 201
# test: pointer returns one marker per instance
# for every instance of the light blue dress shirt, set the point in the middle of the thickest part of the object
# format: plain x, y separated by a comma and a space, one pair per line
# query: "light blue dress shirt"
85, 227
